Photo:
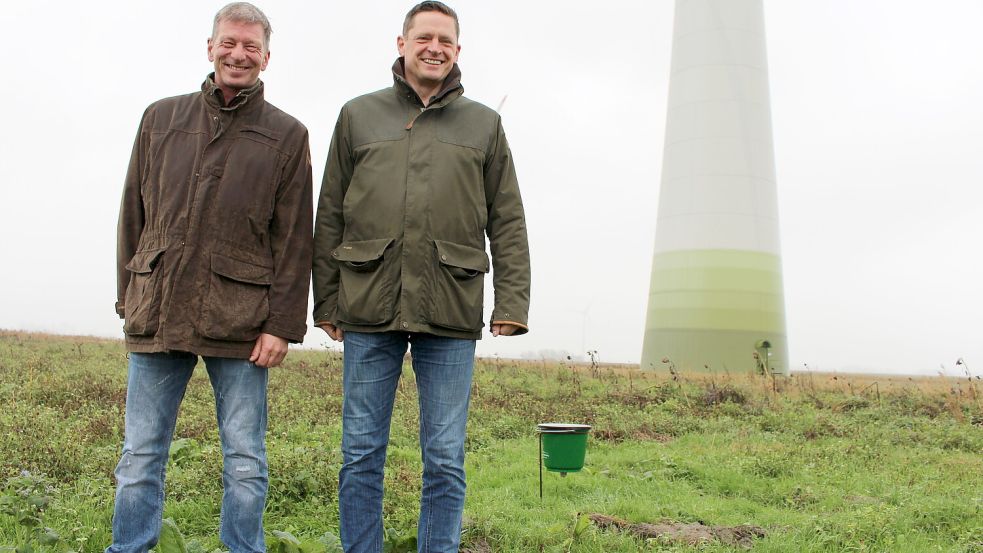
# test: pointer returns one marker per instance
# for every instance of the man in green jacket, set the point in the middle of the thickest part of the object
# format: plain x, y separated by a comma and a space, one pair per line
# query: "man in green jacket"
214, 257
417, 175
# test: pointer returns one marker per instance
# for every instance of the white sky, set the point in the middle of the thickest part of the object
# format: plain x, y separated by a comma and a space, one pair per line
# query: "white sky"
878, 131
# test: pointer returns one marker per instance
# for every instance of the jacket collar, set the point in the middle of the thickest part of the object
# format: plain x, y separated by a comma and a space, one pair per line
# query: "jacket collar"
245, 99
452, 84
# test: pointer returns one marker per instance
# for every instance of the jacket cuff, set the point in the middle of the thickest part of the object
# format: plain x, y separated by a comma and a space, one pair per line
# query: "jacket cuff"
520, 328
291, 332
513, 316
325, 315
120, 310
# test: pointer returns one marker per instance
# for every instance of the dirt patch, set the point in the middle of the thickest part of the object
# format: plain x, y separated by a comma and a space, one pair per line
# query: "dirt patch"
642, 433
724, 394
685, 533
481, 546
648, 434
609, 434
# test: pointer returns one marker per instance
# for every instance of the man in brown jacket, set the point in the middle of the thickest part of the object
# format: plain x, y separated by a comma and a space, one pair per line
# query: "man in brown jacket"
214, 256
417, 176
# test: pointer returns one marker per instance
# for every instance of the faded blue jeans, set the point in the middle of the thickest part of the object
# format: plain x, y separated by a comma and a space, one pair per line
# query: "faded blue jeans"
157, 382
373, 363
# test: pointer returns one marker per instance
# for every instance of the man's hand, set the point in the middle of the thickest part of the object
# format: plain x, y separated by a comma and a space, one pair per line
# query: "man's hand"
269, 351
335, 333
503, 329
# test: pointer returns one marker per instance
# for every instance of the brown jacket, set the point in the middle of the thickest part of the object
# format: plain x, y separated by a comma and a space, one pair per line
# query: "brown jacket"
215, 226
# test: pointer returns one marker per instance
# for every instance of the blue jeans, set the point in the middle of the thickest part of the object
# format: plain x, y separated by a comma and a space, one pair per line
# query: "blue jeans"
156, 386
373, 363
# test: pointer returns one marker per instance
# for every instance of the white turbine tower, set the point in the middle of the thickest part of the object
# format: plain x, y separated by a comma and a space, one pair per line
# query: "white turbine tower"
716, 295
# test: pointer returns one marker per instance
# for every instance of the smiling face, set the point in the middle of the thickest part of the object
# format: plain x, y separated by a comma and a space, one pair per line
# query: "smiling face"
239, 53
429, 48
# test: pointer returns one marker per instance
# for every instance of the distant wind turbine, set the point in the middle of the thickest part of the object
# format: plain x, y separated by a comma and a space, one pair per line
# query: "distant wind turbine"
502, 103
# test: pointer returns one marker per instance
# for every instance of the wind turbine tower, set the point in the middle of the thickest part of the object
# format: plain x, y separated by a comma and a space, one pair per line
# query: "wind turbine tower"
716, 297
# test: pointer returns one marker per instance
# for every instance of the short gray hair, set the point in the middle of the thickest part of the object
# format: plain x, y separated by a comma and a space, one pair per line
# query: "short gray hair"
244, 12
430, 6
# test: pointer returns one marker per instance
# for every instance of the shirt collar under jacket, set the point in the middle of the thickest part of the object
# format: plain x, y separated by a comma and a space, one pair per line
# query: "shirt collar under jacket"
451, 83
215, 98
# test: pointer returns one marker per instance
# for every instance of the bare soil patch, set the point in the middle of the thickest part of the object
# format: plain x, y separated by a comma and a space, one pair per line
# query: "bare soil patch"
480, 547
693, 533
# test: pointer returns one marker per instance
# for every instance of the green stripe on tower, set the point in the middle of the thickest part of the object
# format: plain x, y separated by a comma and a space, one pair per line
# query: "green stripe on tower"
711, 307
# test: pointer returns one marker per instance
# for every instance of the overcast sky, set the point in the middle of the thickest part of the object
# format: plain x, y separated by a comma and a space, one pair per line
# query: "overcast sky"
878, 130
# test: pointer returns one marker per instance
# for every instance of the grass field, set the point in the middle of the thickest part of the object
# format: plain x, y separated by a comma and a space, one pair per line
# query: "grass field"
816, 462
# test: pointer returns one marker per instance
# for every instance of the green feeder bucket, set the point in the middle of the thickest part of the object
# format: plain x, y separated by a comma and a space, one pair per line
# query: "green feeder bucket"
562, 448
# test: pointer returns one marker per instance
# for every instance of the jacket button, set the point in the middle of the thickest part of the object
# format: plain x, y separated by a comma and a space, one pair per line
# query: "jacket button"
406, 324
334, 254
507, 315
443, 258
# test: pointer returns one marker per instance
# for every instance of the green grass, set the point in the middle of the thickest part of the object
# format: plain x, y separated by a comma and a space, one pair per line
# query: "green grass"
820, 463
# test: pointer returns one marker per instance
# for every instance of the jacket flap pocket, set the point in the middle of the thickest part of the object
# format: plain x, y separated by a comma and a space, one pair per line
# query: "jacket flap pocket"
262, 131
465, 257
144, 262
241, 271
361, 251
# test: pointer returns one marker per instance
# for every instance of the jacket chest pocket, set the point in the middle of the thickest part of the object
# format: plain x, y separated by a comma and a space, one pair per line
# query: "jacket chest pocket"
143, 294
459, 286
246, 173
369, 284
237, 303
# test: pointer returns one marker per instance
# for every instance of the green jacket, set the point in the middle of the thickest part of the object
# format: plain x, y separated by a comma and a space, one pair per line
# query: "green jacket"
408, 196
214, 238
